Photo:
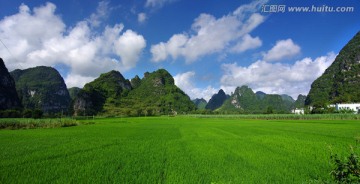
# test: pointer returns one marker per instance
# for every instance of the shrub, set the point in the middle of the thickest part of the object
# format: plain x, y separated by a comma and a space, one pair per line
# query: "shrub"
10, 113
35, 123
345, 111
37, 114
347, 170
27, 113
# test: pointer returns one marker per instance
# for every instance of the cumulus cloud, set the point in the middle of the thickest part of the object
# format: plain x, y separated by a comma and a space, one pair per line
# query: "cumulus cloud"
40, 37
210, 35
25, 32
282, 49
129, 46
247, 42
185, 82
276, 78
75, 80
142, 17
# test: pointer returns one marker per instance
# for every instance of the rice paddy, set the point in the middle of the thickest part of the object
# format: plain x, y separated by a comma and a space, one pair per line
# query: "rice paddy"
176, 150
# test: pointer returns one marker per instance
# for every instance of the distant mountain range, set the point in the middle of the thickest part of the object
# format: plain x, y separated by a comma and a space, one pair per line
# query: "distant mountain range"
156, 93
111, 94
217, 100
200, 103
244, 100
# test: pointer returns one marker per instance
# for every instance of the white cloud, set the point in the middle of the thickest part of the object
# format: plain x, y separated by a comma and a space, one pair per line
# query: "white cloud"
282, 49
129, 47
172, 47
241, 10
74, 80
247, 42
159, 52
102, 12
157, 3
185, 82
211, 35
276, 78
40, 37
142, 17
25, 32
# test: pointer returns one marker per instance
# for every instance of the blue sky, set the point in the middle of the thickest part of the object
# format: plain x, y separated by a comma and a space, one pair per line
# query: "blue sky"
205, 45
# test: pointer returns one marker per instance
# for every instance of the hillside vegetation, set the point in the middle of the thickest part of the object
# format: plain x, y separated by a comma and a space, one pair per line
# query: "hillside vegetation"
42, 88
217, 100
157, 94
200, 103
244, 100
112, 94
8, 96
101, 92
340, 83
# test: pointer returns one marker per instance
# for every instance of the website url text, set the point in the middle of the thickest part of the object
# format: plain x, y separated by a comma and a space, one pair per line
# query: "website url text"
306, 9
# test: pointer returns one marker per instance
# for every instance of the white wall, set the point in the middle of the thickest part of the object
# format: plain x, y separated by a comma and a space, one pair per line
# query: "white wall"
353, 107
298, 111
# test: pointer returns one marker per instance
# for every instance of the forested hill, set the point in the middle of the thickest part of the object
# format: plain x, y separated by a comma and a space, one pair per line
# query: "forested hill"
106, 89
156, 93
112, 94
200, 103
341, 81
244, 100
8, 96
217, 100
42, 88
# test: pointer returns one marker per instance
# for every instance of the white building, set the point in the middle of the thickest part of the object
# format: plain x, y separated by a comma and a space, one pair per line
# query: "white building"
352, 106
298, 111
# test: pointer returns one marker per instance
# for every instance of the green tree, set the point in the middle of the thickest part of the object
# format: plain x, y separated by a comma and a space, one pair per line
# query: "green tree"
269, 110
37, 114
27, 113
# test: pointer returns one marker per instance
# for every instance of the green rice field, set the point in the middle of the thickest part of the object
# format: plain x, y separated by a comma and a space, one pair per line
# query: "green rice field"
176, 150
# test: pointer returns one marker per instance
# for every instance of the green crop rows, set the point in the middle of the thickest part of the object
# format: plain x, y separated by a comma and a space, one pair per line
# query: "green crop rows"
176, 150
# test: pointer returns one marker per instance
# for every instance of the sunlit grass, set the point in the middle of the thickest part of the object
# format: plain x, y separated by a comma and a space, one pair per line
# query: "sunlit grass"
176, 150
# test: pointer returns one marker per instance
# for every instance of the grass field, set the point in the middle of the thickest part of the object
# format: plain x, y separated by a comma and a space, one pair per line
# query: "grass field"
176, 150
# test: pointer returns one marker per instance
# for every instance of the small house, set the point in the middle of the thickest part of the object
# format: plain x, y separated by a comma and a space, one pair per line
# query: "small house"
350, 106
298, 111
